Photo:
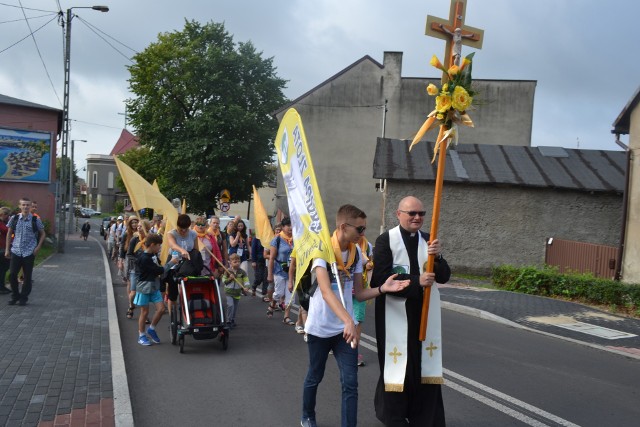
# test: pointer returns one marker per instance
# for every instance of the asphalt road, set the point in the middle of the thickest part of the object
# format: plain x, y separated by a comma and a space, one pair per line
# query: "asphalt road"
496, 375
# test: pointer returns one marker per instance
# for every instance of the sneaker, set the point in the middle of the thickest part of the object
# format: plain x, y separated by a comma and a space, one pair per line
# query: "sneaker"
308, 422
154, 335
360, 360
299, 329
143, 340
12, 302
22, 302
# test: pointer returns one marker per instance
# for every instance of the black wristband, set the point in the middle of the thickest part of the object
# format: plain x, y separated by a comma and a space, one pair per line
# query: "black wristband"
380, 290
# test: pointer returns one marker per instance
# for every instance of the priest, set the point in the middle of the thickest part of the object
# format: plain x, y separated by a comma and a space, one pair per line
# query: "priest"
409, 389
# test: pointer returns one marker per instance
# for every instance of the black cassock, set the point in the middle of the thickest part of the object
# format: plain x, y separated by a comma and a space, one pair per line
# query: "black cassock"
420, 403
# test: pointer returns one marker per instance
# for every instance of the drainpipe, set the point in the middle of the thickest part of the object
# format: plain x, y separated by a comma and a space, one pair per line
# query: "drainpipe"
625, 208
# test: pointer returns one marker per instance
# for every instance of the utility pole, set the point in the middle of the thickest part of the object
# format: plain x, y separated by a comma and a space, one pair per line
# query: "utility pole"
65, 129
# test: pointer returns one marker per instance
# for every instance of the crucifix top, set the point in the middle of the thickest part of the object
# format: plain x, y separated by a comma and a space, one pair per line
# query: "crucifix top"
454, 31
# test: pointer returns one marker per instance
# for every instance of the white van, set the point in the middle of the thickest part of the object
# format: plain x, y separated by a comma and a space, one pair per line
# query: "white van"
224, 220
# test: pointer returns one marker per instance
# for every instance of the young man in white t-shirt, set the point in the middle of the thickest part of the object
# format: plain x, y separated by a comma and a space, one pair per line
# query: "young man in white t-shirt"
330, 325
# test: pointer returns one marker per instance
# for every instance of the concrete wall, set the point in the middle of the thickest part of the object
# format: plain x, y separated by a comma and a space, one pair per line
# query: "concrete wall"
33, 119
630, 264
343, 117
485, 226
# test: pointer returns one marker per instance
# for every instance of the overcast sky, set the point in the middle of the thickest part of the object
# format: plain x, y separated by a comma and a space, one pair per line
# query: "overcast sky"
580, 52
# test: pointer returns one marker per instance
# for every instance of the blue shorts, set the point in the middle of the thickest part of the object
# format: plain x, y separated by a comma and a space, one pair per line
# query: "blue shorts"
146, 299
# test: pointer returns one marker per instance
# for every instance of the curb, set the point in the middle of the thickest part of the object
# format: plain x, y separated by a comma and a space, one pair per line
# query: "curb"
123, 413
475, 312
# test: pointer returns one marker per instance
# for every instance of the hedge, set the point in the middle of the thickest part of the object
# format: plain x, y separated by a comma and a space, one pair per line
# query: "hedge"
548, 281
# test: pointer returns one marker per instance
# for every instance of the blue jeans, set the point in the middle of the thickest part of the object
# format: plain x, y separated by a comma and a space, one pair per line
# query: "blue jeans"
347, 359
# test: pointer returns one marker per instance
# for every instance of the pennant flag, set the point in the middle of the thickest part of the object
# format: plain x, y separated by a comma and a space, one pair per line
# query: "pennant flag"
144, 195
184, 206
264, 232
310, 231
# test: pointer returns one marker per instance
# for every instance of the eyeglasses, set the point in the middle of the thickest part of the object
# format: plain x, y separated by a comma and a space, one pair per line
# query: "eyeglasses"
414, 213
359, 229
201, 224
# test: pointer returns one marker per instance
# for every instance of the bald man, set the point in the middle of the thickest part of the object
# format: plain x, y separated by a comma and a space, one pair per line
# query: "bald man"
409, 389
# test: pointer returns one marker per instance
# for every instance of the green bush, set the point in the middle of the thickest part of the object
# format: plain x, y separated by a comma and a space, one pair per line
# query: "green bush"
119, 207
547, 281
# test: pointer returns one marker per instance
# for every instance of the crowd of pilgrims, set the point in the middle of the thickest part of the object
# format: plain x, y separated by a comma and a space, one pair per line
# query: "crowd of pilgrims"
227, 255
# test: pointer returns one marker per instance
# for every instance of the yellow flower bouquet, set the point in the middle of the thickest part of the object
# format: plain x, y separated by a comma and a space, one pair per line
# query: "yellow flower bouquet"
453, 100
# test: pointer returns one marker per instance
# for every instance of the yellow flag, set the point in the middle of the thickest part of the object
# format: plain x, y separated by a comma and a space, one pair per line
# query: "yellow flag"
264, 232
311, 235
184, 206
144, 195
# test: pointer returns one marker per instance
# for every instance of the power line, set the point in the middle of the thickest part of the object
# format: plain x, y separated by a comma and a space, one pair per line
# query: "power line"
27, 8
39, 54
28, 35
32, 17
105, 40
112, 38
95, 124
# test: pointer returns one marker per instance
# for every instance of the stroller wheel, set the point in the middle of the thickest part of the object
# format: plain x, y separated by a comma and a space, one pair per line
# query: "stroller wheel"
181, 342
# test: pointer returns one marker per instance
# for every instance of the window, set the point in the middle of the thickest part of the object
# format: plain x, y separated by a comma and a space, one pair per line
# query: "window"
110, 181
94, 180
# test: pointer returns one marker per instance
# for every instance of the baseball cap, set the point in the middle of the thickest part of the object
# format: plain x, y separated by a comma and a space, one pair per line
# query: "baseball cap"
120, 218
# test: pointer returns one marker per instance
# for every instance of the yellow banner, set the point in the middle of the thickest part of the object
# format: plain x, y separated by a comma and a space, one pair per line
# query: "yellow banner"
311, 235
144, 195
264, 232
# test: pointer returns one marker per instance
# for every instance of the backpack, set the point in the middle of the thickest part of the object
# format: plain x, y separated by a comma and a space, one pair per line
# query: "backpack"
34, 224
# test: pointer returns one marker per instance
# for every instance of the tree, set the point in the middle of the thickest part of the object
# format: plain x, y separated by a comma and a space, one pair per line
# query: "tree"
202, 105
140, 160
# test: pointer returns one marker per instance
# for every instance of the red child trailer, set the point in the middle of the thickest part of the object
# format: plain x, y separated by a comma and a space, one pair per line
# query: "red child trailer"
199, 312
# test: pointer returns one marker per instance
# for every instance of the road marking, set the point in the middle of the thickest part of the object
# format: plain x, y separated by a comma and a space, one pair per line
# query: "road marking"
598, 331
577, 326
490, 391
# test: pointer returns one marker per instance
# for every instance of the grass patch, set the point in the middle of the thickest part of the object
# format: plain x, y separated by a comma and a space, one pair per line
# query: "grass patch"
45, 252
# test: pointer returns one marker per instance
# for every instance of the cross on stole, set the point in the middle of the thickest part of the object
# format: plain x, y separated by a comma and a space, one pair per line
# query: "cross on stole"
431, 348
395, 353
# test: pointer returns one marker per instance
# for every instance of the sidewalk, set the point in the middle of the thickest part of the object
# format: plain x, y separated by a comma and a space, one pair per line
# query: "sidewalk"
55, 357
567, 320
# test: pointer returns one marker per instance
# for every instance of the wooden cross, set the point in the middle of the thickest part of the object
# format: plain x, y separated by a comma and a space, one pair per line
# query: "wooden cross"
456, 34
431, 348
395, 353
446, 30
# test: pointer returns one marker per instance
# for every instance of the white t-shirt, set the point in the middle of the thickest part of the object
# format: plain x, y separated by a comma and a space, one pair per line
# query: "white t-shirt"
321, 320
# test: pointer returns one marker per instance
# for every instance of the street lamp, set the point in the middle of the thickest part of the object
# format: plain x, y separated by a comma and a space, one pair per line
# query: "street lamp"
71, 208
65, 120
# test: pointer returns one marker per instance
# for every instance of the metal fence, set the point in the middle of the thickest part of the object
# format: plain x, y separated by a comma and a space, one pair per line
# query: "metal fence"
579, 257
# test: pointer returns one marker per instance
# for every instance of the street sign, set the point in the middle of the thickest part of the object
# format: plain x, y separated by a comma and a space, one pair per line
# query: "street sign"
225, 196
224, 207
